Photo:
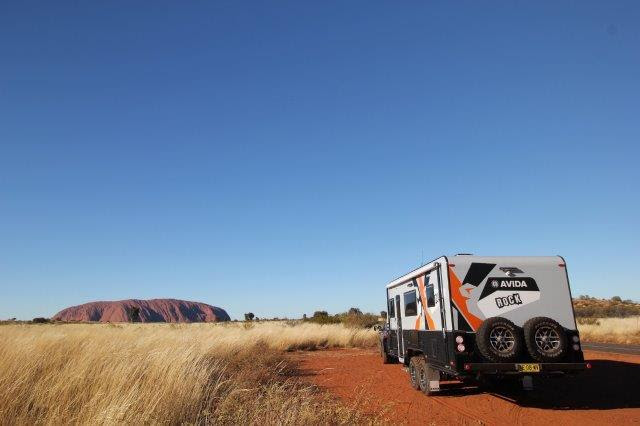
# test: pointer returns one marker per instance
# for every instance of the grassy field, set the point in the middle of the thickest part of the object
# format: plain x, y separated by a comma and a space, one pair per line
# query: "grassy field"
162, 373
610, 330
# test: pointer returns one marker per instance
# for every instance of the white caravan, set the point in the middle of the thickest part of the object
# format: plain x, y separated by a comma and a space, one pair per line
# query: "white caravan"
474, 317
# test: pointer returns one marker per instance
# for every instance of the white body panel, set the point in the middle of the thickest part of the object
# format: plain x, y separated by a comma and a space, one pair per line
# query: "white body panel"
469, 289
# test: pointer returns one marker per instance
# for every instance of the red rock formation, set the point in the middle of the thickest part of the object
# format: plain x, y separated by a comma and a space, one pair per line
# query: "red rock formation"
154, 310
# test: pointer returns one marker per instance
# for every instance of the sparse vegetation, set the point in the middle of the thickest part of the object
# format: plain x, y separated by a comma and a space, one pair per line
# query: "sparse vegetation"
590, 307
610, 330
353, 318
166, 373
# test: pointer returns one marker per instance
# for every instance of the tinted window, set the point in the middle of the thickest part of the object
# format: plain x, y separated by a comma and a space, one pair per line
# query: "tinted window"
431, 298
392, 311
410, 305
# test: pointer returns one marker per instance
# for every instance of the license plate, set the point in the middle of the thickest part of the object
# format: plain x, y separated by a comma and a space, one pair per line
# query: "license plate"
528, 368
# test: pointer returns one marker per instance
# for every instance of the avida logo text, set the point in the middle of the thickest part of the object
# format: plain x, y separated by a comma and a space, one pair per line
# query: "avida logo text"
509, 284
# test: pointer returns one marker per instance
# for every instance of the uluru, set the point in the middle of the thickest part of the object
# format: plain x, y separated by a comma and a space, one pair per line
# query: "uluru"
135, 310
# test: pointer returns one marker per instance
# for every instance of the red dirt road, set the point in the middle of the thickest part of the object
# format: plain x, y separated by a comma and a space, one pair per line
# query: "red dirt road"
608, 393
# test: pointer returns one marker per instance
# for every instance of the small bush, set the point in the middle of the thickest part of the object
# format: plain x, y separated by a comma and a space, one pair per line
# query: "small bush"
354, 318
588, 321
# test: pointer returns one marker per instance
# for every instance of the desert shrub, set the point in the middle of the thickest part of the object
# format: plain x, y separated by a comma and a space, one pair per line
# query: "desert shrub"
323, 317
358, 320
354, 311
352, 318
41, 320
588, 321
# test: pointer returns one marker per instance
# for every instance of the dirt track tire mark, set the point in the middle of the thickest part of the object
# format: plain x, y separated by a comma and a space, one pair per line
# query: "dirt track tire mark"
473, 416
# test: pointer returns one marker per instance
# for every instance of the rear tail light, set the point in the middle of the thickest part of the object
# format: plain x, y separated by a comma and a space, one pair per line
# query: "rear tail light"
461, 348
576, 347
588, 365
459, 339
575, 339
468, 367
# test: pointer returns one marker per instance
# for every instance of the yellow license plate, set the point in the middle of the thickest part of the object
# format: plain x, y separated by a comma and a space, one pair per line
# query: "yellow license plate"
528, 368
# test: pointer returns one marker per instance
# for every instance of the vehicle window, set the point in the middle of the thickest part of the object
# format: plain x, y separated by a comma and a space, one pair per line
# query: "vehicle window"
431, 297
410, 305
392, 310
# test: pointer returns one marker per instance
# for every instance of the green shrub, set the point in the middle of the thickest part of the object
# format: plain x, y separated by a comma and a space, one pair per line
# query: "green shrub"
354, 318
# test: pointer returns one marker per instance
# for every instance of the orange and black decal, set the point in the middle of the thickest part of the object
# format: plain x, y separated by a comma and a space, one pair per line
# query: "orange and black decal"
423, 297
460, 291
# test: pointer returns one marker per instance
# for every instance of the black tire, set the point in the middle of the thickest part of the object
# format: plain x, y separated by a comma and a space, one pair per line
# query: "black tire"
499, 340
424, 377
415, 368
386, 358
545, 339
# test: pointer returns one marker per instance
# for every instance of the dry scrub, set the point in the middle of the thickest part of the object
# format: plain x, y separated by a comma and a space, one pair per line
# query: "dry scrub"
610, 330
160, 373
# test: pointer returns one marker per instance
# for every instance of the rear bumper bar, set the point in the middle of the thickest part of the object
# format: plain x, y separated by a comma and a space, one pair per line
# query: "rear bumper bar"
511, 367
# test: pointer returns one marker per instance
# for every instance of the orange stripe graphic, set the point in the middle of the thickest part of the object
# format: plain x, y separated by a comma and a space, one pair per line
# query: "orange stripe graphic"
423, 302
461, 301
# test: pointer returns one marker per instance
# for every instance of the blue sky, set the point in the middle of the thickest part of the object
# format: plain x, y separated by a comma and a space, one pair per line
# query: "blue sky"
286, 157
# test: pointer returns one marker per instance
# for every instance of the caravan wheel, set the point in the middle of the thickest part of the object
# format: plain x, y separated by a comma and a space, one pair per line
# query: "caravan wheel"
415, 370
499, 340
429, 378
386, 358
545, 338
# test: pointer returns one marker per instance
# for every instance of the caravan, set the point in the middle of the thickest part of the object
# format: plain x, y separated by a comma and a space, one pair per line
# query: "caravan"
472, 317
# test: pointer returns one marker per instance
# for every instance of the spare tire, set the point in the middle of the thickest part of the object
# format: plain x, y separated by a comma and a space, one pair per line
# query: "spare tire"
499, 340
545, 339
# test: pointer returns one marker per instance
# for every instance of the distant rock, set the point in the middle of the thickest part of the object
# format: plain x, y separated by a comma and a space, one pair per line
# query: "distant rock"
134, 310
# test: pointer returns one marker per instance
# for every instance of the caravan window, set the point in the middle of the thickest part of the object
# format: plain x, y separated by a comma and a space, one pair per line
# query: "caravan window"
410, 305
431, 297
392, 311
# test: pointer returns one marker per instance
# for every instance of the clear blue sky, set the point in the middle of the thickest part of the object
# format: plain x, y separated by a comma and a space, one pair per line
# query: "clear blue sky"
284, 157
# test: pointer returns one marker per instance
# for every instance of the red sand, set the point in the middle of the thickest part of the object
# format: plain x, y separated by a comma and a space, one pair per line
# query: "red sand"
155, 310
606, 394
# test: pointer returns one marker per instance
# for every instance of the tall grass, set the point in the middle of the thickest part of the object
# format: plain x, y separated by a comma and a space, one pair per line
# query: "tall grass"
161, 373
610, 330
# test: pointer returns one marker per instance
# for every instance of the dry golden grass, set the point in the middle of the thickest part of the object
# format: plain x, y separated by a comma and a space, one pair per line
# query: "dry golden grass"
161, 373
611, 330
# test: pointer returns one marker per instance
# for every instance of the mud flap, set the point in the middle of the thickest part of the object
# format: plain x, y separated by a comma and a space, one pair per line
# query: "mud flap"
433, 379
527, 383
